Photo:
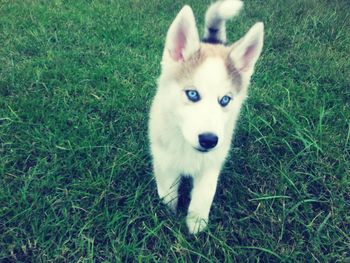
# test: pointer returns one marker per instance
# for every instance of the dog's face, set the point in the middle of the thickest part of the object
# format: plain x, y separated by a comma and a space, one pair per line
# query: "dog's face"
206, 83
205, 98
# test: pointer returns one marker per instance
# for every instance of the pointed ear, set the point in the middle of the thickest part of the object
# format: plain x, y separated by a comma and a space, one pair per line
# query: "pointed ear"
182, 38
247, 50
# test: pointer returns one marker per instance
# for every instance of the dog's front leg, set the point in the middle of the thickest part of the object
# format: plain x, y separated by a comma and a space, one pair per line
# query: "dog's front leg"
167, 184
204, 187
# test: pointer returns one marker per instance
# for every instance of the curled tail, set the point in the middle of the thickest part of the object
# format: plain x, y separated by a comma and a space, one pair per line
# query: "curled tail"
215, 20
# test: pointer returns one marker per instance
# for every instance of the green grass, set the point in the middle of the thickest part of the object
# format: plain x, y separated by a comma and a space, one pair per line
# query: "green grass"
76, 82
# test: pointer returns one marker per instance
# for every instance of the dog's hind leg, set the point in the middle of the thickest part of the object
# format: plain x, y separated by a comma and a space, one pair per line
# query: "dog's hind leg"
204, 187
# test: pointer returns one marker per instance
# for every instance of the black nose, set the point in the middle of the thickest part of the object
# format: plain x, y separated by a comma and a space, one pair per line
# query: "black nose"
208, 140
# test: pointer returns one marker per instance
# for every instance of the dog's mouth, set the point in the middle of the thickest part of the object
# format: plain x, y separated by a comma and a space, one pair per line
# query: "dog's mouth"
202, 150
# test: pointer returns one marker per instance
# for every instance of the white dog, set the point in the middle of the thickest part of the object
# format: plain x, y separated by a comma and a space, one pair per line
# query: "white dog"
200, 92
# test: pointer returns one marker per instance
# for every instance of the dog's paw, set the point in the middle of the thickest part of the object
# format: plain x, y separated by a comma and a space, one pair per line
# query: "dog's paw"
196, 223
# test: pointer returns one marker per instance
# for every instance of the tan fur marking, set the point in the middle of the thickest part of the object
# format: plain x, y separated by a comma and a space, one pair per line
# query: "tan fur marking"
207, 51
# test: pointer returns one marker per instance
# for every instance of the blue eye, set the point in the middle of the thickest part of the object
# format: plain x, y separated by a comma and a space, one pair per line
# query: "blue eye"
225, 100
193, 95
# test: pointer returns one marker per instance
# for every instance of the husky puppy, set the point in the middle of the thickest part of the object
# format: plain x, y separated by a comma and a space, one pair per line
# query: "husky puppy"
201, 89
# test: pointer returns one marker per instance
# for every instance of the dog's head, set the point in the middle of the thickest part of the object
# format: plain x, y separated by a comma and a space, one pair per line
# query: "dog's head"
206, 83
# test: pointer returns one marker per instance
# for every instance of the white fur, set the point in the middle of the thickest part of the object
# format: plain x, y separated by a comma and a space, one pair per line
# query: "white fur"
217, 14
184, 23
248, 49
175, 122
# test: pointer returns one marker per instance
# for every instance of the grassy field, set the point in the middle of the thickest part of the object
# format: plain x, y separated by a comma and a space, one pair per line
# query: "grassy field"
76, 82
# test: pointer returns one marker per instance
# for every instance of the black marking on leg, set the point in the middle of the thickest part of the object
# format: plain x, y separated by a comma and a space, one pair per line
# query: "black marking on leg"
184, 194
